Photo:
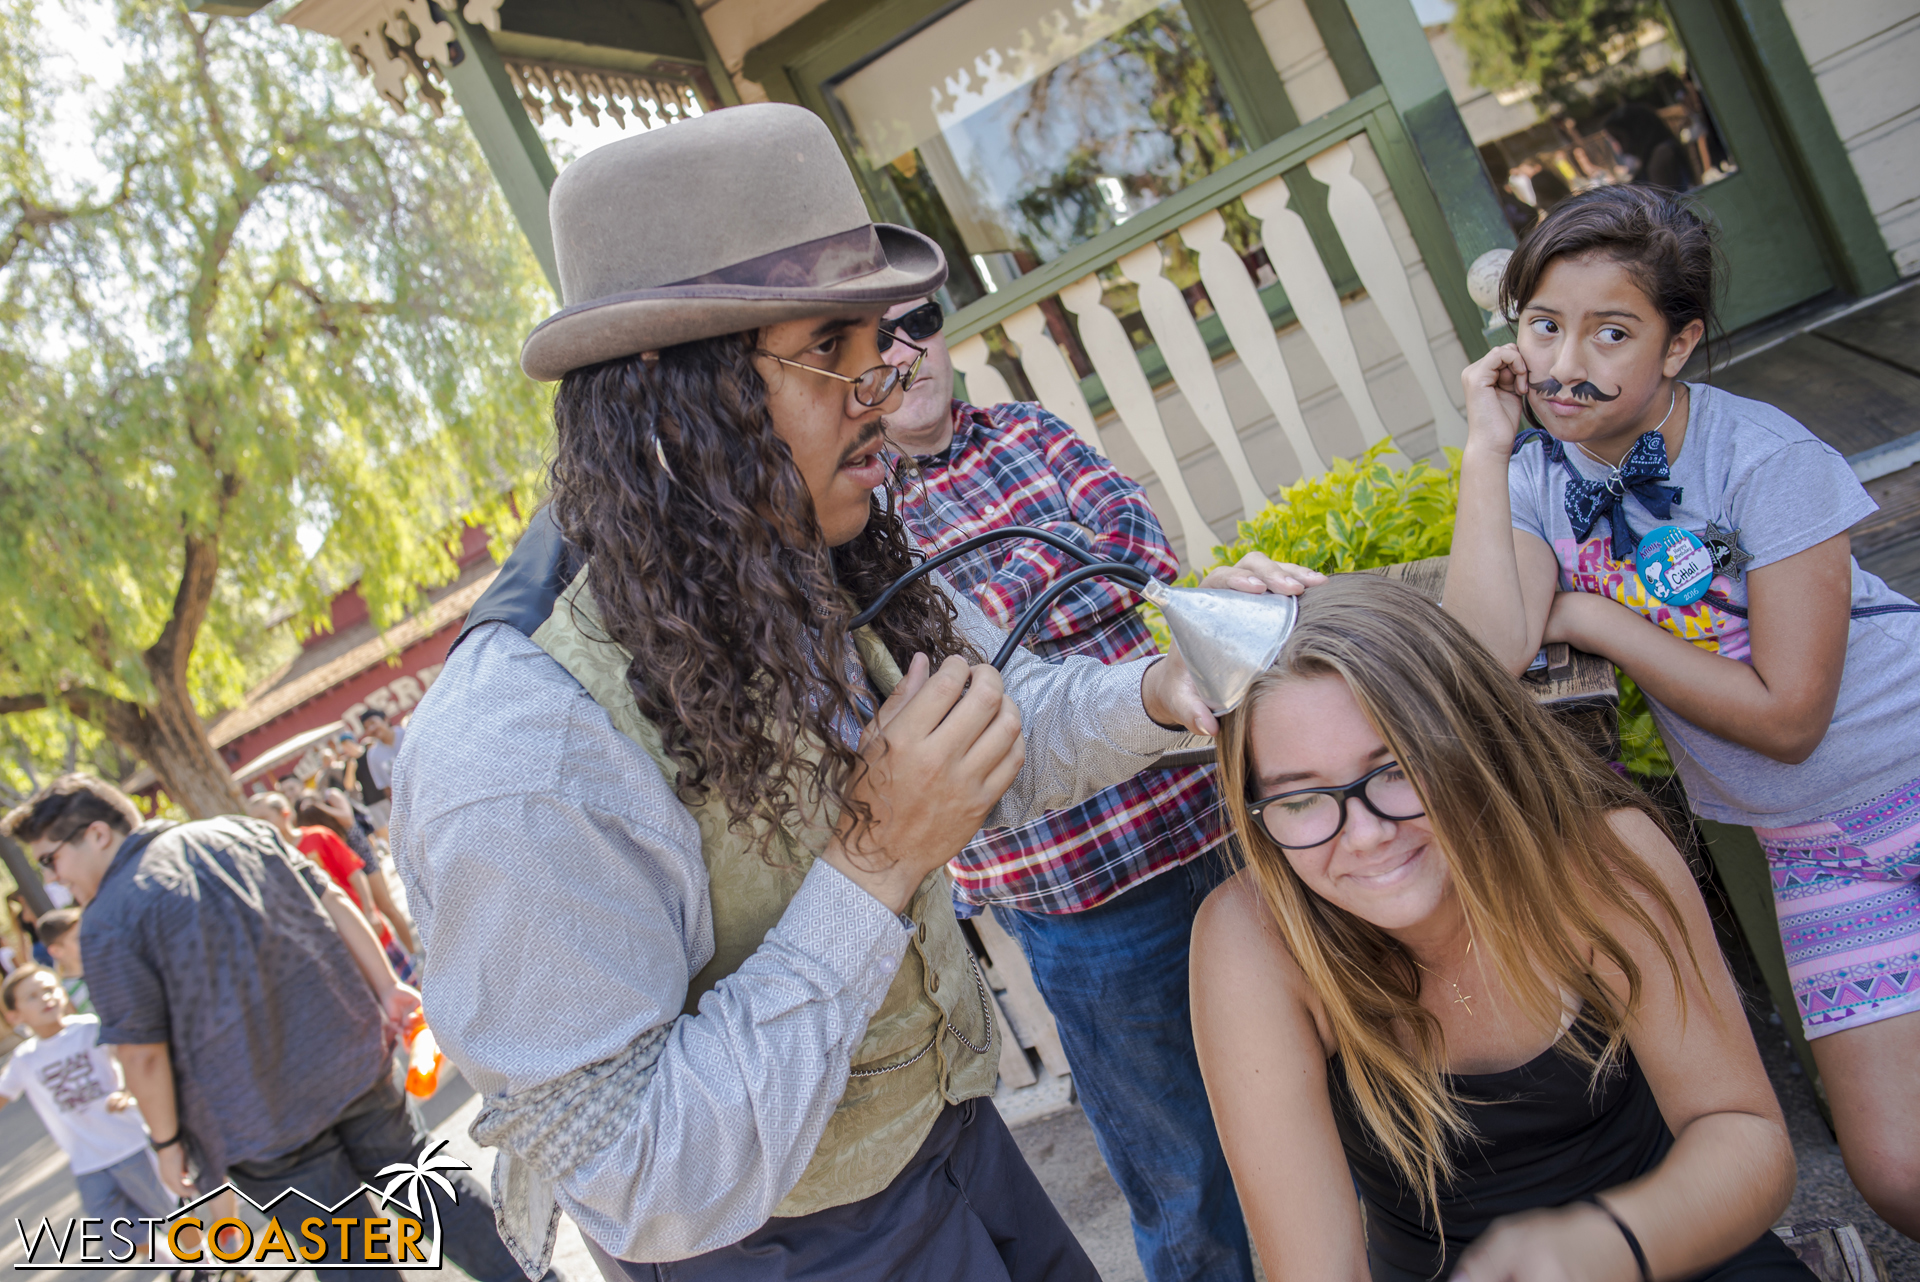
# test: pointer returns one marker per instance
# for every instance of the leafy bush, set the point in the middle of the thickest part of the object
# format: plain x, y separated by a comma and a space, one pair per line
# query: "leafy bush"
1356, 516
1363, 514
1642, 751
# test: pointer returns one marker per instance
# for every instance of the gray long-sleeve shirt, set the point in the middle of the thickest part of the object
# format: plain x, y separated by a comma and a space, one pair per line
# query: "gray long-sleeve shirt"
560, 892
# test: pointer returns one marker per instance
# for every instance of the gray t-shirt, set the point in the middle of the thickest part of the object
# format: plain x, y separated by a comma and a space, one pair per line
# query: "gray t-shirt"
208, 936
1745, 465
380, 757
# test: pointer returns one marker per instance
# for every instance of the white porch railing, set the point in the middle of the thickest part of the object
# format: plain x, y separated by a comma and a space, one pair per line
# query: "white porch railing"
1408, 388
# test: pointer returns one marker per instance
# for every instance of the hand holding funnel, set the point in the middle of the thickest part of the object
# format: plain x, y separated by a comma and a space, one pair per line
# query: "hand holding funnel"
1227, 638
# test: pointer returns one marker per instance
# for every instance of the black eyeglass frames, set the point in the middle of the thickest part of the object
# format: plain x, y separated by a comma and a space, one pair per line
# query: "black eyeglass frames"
920, 324
1309, 817
46, 860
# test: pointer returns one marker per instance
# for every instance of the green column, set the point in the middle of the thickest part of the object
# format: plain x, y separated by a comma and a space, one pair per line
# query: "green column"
1405, 63
506, 136
1811, 144
716, 69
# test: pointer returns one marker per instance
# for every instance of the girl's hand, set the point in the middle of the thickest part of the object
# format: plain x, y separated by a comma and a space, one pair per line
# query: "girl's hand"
1564, 1244
1496, 387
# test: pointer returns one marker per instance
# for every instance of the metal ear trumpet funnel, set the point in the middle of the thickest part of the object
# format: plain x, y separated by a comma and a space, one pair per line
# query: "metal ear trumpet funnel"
1227, 638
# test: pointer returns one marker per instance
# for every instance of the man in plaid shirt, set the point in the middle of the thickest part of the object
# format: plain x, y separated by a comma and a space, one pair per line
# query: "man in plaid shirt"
1101, 898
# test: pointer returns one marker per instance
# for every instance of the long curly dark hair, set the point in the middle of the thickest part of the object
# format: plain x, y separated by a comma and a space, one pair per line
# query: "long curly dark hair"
713, 572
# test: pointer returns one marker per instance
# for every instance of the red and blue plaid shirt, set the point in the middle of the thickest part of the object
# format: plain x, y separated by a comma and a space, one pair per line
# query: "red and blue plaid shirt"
1017, 464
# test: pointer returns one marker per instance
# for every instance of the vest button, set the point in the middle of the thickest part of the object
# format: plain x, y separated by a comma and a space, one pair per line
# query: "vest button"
923, 932
933, 981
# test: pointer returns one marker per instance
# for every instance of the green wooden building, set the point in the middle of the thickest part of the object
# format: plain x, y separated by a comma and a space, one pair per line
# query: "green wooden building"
1227, 240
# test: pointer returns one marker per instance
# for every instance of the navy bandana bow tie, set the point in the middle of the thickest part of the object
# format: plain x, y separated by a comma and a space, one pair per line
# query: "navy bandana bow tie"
1640, 474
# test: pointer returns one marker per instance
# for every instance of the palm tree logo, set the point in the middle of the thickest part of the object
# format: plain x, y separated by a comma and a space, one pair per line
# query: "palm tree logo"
414, 1178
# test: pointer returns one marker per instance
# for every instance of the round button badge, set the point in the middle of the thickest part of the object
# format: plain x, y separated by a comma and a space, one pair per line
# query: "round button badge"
1674, 565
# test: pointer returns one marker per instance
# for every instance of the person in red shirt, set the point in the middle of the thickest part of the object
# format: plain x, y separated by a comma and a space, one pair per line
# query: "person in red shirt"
325, 847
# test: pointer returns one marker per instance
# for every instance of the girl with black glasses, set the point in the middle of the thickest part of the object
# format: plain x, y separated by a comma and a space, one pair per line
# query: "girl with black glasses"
1465, 962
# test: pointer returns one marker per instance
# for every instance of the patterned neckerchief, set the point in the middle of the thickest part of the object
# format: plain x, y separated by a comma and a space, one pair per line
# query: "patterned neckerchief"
1641, 473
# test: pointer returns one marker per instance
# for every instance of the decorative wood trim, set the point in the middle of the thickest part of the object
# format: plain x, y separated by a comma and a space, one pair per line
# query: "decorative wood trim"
1397, 46
1126, 383
985, 384
1251, 330
1053, 379
1371, 247
1165, 310
1290, 249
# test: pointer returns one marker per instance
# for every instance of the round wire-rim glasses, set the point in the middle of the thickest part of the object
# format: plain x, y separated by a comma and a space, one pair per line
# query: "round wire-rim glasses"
1304, 818
874, 387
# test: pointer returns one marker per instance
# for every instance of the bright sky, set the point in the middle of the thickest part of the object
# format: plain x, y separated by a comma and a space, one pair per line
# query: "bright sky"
84, 65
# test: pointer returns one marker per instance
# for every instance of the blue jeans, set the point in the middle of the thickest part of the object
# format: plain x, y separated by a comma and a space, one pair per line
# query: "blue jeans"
127, 1190
1115, 978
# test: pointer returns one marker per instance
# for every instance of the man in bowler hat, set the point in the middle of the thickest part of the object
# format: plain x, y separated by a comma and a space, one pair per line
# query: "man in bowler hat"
762, 1050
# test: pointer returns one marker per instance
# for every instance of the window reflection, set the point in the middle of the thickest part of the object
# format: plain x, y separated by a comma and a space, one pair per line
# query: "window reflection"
1620, 104
1011, 133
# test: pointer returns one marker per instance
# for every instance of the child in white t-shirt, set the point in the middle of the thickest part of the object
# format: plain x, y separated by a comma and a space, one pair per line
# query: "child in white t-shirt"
75, 1085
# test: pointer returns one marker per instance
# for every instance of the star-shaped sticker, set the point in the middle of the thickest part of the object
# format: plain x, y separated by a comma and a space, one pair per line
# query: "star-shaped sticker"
1728, 555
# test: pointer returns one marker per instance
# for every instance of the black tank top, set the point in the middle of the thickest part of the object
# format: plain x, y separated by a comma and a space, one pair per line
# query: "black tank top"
1546, 1135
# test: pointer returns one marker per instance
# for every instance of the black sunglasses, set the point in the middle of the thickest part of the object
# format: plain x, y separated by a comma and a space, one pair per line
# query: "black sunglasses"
922, 323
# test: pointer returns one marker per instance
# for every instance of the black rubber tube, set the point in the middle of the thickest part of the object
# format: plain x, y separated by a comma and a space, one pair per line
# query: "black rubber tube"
931, 564
1129, 574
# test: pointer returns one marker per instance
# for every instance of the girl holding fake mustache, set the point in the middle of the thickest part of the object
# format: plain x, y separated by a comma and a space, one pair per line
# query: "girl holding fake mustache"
1699, 541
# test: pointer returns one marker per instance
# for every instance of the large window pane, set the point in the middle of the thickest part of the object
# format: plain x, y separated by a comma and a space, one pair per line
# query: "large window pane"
1572, 97
1011, 132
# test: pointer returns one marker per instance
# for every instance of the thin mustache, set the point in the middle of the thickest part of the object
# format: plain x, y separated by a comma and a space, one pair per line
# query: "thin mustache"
1579, 391
865, 444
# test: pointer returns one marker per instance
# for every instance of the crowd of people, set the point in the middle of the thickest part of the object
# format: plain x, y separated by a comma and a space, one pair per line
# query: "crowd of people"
1409, 985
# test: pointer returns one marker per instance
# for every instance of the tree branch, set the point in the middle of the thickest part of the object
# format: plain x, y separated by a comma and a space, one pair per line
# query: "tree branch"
168, 654
209, 96
34, 218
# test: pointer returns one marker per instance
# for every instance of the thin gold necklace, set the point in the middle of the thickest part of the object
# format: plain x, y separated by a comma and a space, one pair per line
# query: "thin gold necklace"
1464, 999
1672, 401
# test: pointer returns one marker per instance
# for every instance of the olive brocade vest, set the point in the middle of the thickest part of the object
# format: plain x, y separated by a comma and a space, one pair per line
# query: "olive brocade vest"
912, 1061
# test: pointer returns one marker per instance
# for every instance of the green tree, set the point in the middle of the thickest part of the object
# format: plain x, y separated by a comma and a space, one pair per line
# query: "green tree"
1548, 43
271, 350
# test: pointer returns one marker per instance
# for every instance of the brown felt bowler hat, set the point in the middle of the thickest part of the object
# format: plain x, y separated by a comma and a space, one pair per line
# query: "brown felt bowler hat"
729, 221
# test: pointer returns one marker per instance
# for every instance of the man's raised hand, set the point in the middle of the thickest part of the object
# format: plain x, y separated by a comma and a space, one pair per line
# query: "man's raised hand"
940, 752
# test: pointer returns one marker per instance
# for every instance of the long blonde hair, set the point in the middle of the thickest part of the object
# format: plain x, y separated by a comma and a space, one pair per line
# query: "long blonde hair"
1520, 809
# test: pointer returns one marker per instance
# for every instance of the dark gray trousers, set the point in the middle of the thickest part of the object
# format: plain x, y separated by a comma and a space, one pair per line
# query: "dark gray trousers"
966, 1209
379, 1128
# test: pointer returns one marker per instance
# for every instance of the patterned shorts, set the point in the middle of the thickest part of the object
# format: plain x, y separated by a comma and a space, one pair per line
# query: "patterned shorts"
1847, 891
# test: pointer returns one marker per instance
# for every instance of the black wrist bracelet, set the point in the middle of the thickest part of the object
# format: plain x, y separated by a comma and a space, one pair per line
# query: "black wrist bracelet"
1633, 1243
160, 1144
